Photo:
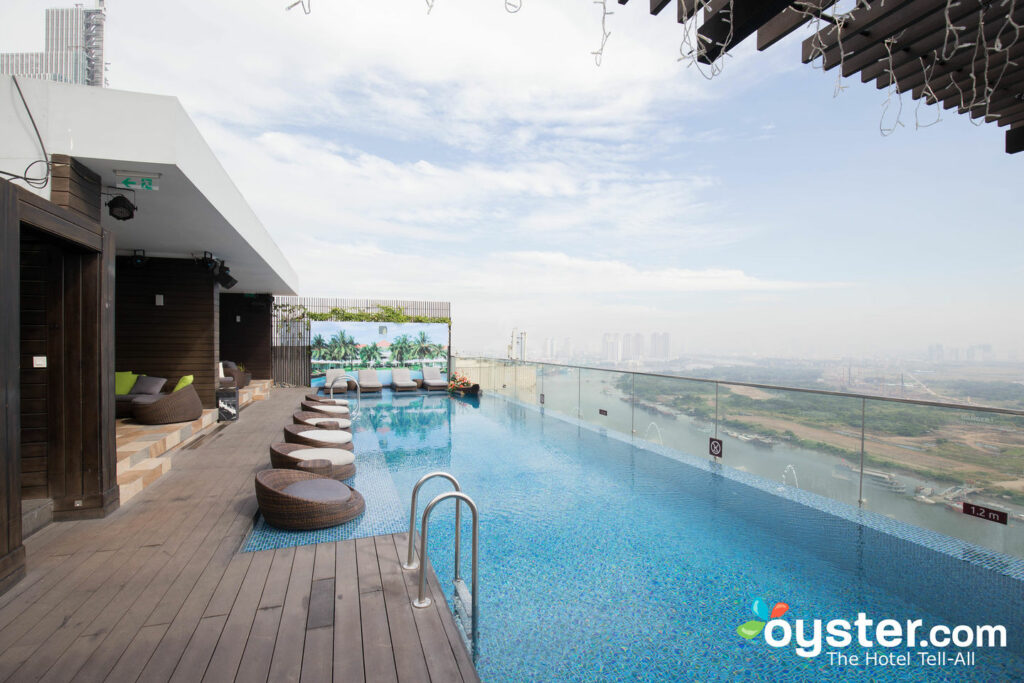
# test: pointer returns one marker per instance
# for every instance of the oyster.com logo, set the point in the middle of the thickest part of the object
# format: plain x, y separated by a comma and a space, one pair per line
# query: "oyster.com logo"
887, 642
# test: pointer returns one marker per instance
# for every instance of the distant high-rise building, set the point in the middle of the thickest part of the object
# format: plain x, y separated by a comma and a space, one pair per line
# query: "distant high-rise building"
73, 51
660, 342
628, 353
935, 353
638, 346
610, 347
549, 348
565, 352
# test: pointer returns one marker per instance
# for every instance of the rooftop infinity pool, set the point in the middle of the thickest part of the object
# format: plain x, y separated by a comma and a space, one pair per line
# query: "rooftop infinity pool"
604, 561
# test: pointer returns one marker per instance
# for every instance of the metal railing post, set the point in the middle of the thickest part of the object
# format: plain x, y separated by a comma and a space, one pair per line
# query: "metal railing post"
863, 422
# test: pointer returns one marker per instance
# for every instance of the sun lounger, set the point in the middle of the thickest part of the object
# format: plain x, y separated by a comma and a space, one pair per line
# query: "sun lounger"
369, 382
401, 380
432, 379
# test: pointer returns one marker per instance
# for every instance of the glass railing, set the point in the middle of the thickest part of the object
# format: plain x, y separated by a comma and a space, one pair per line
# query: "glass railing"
956, 470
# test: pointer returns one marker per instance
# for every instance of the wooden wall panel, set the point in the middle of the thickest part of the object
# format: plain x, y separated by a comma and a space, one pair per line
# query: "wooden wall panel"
176, 339
12, 552
246, 326
35, 269
75, 187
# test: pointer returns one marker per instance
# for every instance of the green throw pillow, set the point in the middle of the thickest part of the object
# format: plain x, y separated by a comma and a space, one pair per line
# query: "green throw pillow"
183, 382
123, 382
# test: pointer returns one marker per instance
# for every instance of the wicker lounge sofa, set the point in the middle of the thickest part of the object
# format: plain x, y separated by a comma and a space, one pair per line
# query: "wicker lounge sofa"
369, 382
301, 501
326, 409
231, 370
182, 405
433, 381
296, 456
318, 437
322, 420
401, 380
143, 386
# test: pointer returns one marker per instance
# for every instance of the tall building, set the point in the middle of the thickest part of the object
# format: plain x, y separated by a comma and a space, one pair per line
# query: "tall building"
610, 347
73, 51
660, 342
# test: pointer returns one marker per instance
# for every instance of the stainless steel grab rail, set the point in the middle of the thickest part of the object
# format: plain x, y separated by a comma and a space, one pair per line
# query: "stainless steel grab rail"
410, 560
345, 379
423, 600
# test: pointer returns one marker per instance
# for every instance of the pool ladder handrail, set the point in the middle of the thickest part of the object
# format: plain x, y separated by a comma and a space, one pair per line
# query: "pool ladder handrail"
346, 378
410, 561
422, 599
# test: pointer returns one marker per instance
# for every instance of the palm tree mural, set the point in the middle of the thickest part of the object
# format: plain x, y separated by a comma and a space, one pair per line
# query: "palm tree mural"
370, 355
401, 349
319, 346
422, 347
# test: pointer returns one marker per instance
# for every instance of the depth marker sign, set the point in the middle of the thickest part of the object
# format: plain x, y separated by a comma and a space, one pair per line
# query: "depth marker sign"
715, 447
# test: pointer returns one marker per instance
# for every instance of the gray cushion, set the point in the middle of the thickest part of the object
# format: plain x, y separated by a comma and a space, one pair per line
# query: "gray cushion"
229, 365
319, 489
146, 399
148, 385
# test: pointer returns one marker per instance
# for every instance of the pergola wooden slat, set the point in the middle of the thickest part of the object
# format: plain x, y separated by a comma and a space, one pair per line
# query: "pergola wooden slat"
929, 49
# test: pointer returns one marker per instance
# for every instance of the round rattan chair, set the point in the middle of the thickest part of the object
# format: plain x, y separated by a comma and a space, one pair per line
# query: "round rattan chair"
183, 405
319, 398
326, 408
318, 437
292, 456
325, 502
322, 420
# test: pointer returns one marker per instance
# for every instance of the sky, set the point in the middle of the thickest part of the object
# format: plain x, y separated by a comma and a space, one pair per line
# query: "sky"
481, 157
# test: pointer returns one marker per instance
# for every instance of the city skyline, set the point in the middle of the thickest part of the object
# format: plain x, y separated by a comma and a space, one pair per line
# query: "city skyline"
73, 48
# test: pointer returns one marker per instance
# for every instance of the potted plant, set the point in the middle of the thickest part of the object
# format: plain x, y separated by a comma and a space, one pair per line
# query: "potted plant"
459, 384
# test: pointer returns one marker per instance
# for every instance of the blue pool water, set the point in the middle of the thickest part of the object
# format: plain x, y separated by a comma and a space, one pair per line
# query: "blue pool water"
601, 561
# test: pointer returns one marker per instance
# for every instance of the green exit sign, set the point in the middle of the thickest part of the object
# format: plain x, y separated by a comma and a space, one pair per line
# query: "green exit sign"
137, 181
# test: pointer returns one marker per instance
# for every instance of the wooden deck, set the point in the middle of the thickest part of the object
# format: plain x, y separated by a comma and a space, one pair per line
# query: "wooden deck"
158, 591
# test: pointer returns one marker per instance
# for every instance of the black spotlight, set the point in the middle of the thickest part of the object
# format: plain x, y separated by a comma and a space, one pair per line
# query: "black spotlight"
223, 277
139, 258
209, 262
120, 208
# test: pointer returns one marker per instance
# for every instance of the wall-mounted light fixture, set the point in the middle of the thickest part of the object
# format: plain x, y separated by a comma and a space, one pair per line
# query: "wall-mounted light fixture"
139, 258
120, 208
223, 276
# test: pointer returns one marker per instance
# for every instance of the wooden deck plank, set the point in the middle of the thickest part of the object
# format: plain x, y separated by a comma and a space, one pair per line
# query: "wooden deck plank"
53, 645
410, 663
438, 651
197, 655
348, 635
102, 637
158, 591
378, 656
259, 649
166, 657
228, 653
286, 664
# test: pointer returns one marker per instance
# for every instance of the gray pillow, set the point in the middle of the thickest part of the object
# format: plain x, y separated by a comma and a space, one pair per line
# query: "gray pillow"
148, 385
229, 365
323, 490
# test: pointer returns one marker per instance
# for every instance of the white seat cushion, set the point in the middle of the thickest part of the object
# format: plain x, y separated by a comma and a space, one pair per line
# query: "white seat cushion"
336, 401
337, 456
339, 410
329, 436
342, 423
